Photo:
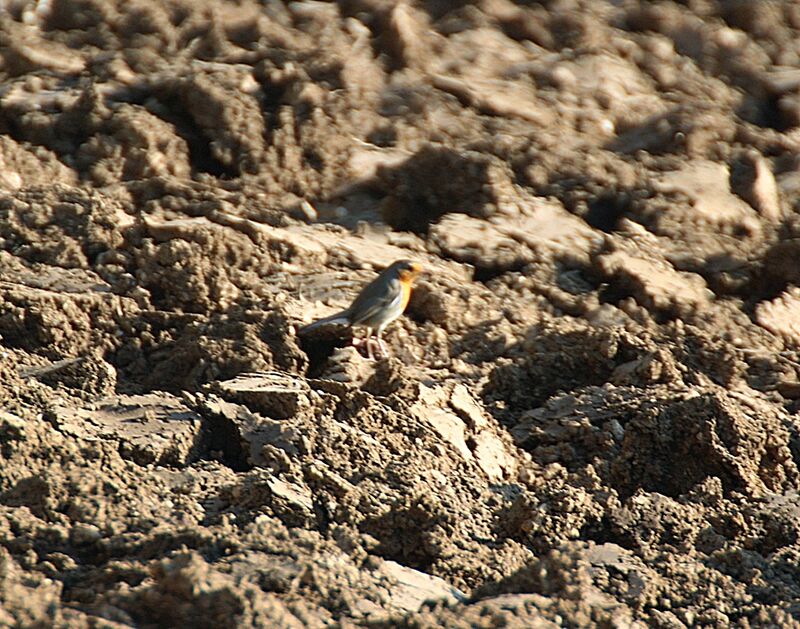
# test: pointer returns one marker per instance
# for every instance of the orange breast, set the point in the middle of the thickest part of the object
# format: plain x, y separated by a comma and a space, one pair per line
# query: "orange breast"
405, 286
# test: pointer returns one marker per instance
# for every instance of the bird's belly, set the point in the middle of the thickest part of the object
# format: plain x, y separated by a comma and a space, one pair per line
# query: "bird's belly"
384, 317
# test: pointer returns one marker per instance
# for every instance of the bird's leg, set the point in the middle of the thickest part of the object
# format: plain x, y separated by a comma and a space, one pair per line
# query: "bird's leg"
381, 344
368, 340
361, 342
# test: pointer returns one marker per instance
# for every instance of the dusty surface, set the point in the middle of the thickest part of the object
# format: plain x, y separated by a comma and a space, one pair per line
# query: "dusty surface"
590, 415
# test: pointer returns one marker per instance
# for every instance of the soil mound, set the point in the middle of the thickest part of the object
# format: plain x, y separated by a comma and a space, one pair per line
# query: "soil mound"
589, 416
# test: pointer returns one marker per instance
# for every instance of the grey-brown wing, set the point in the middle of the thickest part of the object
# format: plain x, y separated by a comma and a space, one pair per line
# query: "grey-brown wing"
375, 301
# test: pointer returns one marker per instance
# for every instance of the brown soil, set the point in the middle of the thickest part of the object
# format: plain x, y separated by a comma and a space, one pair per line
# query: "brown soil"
590, 412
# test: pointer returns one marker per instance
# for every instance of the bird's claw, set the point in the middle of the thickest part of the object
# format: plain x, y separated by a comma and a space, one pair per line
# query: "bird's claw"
369, 344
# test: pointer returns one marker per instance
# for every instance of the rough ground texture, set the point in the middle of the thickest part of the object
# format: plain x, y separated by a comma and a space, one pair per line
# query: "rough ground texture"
590, 412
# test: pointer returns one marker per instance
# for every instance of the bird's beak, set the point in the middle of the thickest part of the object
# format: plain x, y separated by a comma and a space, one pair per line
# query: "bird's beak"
417, 268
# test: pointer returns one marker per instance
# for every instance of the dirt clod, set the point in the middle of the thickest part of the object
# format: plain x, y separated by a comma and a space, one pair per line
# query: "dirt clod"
586, 416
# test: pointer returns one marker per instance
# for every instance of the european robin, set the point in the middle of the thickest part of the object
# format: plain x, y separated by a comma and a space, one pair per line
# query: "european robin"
378, 304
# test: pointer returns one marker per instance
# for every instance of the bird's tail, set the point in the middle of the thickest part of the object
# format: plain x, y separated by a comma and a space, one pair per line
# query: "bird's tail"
341, 318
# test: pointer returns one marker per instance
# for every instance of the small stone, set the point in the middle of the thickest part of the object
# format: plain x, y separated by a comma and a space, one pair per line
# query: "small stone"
492, 456
781, 316
563, 77
413, 588
465, 405
277, 395
157, 428
83, 534
617, 430
756, 184
12, 427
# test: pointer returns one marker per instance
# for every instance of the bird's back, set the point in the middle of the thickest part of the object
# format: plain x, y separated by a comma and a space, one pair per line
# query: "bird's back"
380, 301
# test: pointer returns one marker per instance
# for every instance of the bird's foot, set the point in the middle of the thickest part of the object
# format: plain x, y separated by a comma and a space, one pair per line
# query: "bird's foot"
367, 346
384, 349
363, 347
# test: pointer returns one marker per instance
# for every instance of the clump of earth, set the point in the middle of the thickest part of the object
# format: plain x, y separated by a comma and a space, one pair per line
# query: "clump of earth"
589, 413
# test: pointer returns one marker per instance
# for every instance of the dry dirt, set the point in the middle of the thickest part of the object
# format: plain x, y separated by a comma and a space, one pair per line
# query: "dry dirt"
590, 414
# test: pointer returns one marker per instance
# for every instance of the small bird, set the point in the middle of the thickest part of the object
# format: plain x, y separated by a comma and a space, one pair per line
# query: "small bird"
378, 304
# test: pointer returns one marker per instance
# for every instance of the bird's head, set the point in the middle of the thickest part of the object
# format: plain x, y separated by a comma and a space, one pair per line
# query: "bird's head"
407, 270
